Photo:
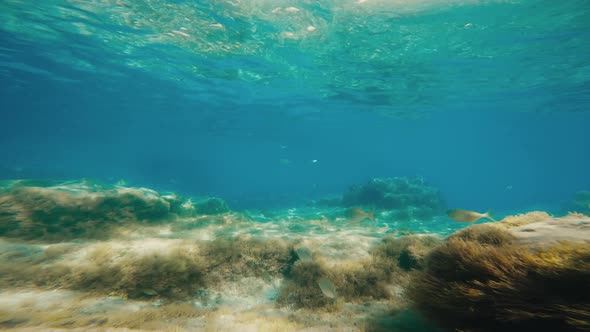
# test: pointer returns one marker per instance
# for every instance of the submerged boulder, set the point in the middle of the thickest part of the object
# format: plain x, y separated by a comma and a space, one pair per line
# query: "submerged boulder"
75, 210
524, 273
411, 197
212, 205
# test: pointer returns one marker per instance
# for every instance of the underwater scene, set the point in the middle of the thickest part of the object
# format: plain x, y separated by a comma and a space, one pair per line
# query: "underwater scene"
295, 165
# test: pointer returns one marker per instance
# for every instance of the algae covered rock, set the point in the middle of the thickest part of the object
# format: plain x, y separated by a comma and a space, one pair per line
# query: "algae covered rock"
75, 210
212, 205
301, 289
406, 253
411, 197
383, 275
241, 256
501, 277
174, 272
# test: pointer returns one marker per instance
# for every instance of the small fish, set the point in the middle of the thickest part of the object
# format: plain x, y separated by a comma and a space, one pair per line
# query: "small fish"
468, 216
149, 292
327, 287
356, 215
304, 254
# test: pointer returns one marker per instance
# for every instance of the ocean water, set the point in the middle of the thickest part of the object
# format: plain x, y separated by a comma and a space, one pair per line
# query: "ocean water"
278, 108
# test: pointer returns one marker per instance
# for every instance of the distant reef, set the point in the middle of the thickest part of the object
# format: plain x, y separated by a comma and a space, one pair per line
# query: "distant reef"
525, 273
405, 197
580, 202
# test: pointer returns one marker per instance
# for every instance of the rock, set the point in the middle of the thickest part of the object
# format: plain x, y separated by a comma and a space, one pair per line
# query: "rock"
551, 231
411, 197
525, 273
73, 210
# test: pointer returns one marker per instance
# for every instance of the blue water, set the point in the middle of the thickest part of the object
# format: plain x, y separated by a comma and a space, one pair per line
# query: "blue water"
487, 100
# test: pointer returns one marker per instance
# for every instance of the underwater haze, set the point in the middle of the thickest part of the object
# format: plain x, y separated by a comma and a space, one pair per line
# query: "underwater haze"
295, 165
487, 100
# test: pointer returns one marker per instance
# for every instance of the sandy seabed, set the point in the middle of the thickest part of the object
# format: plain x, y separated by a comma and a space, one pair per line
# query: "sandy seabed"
82, 258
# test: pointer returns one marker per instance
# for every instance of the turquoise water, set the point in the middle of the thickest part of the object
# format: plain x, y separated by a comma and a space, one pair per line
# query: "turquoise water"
280, 107
208, 97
